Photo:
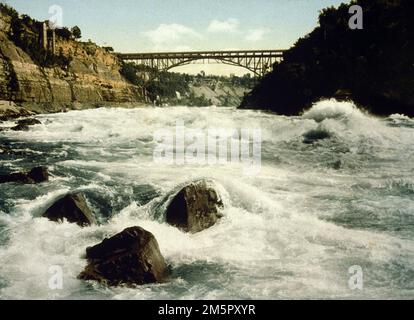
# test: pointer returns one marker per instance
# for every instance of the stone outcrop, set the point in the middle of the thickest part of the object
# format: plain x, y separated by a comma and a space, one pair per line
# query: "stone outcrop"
196, 207
10, 111
131, 257
91, 79
36, 175
73, 208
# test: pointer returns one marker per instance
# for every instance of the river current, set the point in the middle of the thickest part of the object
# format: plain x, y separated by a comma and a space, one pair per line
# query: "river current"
295, 229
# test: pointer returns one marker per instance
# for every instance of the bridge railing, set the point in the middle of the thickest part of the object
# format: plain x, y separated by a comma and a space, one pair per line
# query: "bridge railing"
203, 54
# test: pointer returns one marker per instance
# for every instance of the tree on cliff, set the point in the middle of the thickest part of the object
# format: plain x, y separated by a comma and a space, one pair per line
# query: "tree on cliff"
76, 32
375, 64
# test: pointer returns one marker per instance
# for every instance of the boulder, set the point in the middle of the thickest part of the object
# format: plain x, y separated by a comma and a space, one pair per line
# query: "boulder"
28, 122
73, 208
195, 207
20, 127
131, 257
19, 177
36, 175
39, 174
315, 135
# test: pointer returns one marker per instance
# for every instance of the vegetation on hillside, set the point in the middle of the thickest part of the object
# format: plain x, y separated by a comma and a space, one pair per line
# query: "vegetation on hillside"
375, 64
25, 33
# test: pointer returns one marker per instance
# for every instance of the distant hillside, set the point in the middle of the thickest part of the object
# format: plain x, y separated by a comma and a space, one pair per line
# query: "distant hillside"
374, 65
200, 90
77, 75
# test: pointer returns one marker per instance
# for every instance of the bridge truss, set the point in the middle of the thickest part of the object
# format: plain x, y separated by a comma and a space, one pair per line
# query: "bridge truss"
257, 61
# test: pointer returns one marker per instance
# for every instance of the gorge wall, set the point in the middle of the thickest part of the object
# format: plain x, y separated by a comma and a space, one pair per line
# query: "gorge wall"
373, 66
91, 78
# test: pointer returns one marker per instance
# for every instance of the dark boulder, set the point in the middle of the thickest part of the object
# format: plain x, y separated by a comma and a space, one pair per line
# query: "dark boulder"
131, 257
19, 177
195, 207
39, 174
36, 175
315, 135
20, 127
73, 208
28, 122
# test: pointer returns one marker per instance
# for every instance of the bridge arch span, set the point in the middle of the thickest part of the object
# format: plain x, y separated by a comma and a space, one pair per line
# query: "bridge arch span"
222, 61
257, 61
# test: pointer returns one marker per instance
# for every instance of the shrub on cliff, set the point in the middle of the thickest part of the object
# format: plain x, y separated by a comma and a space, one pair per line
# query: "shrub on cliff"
76, 32
375, 63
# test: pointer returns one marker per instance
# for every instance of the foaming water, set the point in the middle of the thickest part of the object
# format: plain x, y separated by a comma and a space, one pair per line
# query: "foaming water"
293, 230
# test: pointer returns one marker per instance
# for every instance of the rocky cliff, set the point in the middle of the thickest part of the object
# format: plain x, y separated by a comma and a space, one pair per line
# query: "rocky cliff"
91, 78
374, 65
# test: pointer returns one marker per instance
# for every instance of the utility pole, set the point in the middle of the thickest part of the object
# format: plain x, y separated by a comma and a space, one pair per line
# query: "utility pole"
44, 36
53, 41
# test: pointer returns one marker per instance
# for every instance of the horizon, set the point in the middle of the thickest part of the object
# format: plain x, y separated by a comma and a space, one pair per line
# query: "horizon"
148, 26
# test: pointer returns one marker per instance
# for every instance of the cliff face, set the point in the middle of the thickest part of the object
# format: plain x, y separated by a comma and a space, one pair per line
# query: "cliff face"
91, 79
374, 65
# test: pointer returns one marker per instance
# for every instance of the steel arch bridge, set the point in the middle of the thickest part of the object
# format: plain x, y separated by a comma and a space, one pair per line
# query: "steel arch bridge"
259, 62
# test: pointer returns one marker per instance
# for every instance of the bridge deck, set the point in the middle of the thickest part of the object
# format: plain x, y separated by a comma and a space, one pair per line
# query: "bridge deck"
203, 54
257, 61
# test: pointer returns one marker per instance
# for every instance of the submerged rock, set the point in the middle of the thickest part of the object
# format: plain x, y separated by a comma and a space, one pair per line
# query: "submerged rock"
73, 208
315, 135
28, 122
36, 175
131, 257
195, 207
336, 164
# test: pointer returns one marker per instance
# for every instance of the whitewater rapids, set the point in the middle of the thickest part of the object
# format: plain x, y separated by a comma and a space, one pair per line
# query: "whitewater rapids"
292, 230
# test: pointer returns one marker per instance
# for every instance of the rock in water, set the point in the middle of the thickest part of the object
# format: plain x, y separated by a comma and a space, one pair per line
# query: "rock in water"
19, 177
36, 175
195, 207
20, 127
28, 122
73, 208
315, 135
39, 174
130, 257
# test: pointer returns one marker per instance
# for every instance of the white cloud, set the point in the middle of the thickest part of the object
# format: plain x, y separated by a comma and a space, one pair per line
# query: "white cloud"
229, 25
255, 35
169, 34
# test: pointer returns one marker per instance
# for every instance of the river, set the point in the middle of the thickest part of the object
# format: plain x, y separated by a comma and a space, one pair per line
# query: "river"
293, 229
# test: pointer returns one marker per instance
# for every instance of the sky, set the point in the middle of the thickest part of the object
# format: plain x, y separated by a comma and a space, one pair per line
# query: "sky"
178, 25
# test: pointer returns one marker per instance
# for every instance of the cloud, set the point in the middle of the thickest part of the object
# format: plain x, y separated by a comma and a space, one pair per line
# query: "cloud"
255, 35
229, 25
169, 34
